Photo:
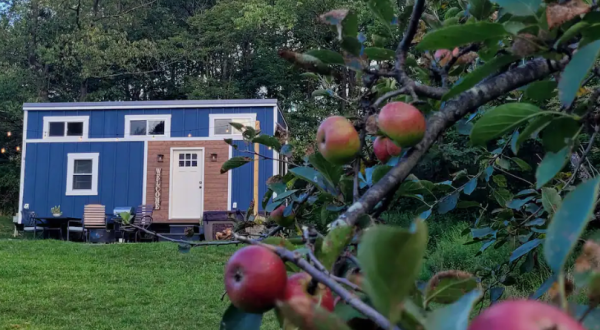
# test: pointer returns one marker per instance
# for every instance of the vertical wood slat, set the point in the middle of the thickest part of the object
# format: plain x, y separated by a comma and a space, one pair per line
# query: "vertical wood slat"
256, 172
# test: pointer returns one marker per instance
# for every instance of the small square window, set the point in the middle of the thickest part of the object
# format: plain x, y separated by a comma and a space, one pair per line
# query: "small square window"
181, 163
188, 156
194, 163
75, 129
187, 163
181, 156
194, 156
57, 129
138, 127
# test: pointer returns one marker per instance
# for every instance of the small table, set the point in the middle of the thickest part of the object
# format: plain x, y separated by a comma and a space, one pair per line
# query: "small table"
53, 223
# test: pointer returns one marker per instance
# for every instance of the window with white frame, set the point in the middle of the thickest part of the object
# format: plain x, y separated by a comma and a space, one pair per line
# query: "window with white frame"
66, 127
147, 126
220, 123
82, 174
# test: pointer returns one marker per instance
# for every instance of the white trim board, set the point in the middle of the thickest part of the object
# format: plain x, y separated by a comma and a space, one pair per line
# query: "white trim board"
23, 156
214, 116
71, 158
145, 173
65, 119
229, 190
171, 159
158, 138
160, 106
147, 117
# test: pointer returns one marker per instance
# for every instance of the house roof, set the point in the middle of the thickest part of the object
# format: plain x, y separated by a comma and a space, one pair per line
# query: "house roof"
107, 105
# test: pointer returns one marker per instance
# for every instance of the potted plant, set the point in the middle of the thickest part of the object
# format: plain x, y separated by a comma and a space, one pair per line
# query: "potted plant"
56, 211
121, 222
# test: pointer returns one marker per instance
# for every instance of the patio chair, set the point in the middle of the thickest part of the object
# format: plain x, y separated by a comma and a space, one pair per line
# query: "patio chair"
30, 223
94, 217
143, 218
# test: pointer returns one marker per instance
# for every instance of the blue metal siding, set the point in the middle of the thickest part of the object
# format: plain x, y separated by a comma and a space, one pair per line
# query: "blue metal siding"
120, 174
280, 119
242, 178
111, 123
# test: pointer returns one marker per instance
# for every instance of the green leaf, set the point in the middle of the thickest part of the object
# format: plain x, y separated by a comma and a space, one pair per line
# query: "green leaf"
234, 162
541, 90
272, 206
576, 71
522, 164
470, 186
310, 75
285, 195
571, 33
267, 140
449, 290
500, 180
334, 244
390, 258
520, 7
502, 196
379, 54
448, 204
379, 172
559, 132
266, 197
383, 10
524, 249
480, 9
451, 12
459, 35
307, 174
454, 316
569, 222
351, 45
514, 27
503, 163
550, 200
238, 320
327, 56
350, 24
534, 126
551, 165
501, 119
320, 92
331, 172
287, 150
591, 321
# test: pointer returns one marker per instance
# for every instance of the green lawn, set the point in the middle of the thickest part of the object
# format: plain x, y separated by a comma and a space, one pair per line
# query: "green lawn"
47, 284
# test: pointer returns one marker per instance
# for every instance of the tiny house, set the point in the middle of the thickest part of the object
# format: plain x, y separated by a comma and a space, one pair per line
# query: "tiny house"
165, 153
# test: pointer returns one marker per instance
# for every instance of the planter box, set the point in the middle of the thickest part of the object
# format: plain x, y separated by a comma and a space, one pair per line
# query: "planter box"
218, 221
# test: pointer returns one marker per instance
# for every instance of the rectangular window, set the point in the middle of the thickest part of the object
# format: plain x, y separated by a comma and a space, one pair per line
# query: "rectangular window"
82, 174
144, 126
66, 127
220, 123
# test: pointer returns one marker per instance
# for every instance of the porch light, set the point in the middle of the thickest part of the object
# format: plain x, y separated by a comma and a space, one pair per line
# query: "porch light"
8, 133
213, 157
160, 158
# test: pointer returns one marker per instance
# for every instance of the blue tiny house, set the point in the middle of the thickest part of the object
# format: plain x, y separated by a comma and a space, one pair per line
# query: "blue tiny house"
166, 153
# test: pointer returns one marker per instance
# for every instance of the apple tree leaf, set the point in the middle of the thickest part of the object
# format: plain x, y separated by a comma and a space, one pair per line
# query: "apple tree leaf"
238, 320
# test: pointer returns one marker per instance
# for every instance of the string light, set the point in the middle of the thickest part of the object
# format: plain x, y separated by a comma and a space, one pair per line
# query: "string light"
18, 148
190, 135
2, 150
80, 138
8, 133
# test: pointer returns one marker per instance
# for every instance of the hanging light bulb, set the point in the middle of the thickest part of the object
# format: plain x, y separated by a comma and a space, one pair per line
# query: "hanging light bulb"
190, 135
18, 148
2, 150
8, 133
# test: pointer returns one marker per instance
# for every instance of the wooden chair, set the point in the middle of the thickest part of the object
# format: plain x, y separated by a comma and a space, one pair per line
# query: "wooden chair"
94, 217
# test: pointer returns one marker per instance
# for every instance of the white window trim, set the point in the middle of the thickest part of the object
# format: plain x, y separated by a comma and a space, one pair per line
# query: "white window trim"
71, 158
66, 119
214, 116
129, 118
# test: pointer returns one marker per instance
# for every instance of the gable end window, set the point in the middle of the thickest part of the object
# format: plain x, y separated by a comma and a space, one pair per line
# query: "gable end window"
142, 126
82, 174
67, 127
219, 123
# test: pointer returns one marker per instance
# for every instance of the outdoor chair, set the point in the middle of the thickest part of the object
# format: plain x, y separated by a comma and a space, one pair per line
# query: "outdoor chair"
94, 217
143, 219
30, 223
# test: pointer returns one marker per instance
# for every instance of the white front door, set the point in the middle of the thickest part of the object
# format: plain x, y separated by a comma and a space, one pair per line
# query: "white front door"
187, 184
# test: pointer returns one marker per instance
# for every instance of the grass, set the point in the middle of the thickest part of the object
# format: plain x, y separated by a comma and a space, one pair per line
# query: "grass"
47, 284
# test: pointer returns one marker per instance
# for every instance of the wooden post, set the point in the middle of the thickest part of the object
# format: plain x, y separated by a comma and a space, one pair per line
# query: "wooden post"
256, 150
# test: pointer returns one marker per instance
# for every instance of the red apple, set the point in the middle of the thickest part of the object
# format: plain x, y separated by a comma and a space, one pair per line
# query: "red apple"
402, 123
277, 216
255, 278
385, 148
524, 315
297, 286
338, 140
